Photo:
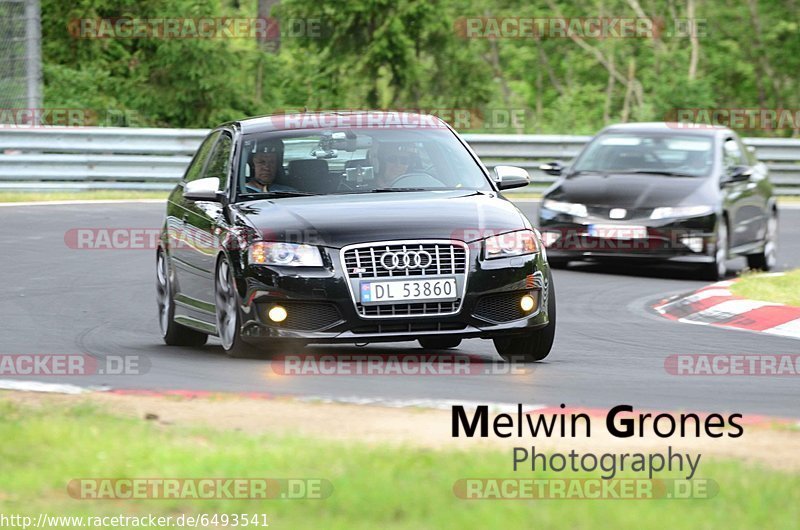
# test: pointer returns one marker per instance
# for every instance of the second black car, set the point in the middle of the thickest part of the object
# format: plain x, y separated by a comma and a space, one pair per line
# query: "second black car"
662, 191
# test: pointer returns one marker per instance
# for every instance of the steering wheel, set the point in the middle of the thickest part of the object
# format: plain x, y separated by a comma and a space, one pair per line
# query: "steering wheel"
657, 159
431, 181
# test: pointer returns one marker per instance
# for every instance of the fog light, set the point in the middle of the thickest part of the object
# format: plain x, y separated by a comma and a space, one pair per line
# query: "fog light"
277, 314
527, 302
695, 244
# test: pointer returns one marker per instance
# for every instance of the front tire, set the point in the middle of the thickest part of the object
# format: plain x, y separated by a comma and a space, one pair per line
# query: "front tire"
174, 334
718, 269
767, 259
535, 345
229, 318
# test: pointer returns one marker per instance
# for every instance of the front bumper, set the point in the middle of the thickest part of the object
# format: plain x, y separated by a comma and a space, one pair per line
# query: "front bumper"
321, 306
687, 240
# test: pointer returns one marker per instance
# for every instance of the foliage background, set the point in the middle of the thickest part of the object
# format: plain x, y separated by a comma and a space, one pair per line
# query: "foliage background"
409, 54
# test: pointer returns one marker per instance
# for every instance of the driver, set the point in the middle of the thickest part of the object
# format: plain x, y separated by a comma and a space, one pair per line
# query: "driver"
267, 168
394, 161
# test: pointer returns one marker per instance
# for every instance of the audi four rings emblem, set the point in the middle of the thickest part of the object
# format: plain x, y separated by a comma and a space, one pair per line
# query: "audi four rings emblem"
409, 259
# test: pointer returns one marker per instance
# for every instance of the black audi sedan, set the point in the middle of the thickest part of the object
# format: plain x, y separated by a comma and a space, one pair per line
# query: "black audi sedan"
662, 191
350, 227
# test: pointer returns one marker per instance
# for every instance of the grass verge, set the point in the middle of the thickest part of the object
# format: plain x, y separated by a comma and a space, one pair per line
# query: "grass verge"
374, 486
783, 289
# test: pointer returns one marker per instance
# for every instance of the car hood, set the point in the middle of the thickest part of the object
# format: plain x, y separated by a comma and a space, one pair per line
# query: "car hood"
339, 220
627, 191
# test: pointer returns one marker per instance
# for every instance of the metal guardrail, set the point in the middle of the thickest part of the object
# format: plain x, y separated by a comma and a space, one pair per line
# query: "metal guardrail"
90, 158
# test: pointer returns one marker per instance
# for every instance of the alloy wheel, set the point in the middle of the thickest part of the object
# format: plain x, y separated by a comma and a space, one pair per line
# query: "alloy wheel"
163, 293
721, 255
771, 245
226, 306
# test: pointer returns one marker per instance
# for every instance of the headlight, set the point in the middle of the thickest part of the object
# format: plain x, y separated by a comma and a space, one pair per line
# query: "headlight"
570, 208
681, 211
511, 244
285, 254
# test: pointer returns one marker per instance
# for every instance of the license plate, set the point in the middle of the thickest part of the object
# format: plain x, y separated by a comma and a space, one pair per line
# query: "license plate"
618, 231
439, 290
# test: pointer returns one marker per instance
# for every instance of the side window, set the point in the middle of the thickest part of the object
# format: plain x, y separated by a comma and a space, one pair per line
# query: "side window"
195, 169
732, 155
219, 163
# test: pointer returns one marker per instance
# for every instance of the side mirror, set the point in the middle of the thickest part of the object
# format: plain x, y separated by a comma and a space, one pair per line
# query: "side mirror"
553, 168
206, 189
508, 177
738, 174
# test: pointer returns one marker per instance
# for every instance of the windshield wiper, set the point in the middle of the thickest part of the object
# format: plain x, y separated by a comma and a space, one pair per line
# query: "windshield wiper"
584, 171
388, 190
278, 194
656, 172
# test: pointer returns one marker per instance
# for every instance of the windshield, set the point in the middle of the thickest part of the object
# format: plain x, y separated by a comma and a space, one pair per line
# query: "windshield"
688, 155
339, 161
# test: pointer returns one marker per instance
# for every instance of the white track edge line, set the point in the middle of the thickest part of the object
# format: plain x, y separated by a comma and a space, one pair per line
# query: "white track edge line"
39, 386
83, 202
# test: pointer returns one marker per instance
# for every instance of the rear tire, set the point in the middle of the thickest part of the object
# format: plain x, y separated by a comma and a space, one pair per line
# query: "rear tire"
766, 260
558, 263
439, 343
535, 345
174, 334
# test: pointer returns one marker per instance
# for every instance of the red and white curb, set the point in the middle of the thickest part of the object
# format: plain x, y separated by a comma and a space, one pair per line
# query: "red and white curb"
717, 306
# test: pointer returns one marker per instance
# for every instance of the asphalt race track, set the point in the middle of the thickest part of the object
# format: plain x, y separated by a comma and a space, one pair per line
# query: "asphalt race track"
610, 348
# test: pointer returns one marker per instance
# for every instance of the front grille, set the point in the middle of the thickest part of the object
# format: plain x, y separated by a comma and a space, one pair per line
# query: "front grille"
309, 316
503, 307
366, 262
421, 308
630, 213
406, 259
409, 327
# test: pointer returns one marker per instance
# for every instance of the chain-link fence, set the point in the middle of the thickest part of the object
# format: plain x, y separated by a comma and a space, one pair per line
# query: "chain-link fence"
20, 56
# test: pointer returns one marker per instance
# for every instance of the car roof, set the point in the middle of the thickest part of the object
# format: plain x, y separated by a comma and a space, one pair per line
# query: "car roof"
661, 126
323, 120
